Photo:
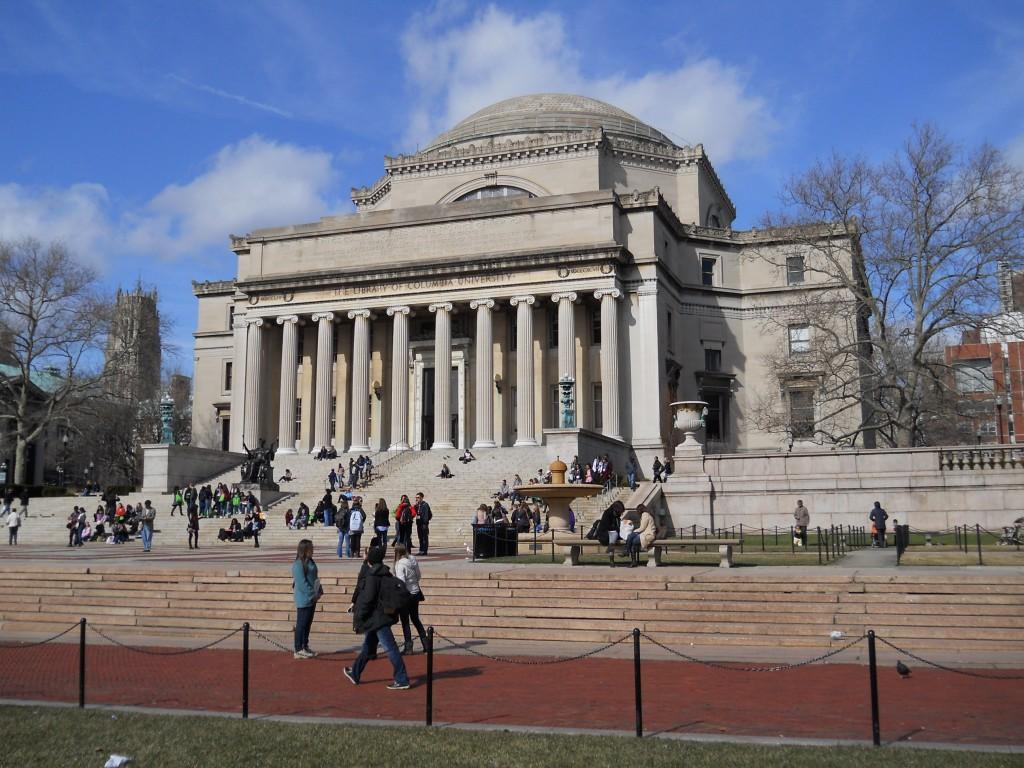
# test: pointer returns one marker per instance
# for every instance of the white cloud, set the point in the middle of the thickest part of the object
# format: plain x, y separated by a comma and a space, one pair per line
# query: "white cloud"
496, 55
254, 183
78, 216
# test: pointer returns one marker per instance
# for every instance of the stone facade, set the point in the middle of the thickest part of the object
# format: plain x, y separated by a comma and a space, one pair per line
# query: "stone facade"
545, 238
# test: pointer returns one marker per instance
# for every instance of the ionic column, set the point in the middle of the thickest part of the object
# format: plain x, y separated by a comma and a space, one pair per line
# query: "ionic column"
360, 380
525, 433
566, 334
442, 376
484, 373
324, 373
609, 298
399, 379
253, 378
289, 365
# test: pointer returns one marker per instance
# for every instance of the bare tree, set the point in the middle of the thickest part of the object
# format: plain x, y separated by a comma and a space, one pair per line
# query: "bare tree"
55, 322
911, 252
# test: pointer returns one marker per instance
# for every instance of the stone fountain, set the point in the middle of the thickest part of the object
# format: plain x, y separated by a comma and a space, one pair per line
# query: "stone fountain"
558, 494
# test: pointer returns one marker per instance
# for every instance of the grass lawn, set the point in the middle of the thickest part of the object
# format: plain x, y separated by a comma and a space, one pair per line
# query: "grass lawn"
946, 556
67, 737
674, 558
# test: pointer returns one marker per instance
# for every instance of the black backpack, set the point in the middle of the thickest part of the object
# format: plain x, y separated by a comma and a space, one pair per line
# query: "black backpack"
341, 519
393, 596
406, 517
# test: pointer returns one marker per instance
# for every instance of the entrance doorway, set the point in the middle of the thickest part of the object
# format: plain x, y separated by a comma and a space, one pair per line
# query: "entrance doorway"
225, 434
427, 409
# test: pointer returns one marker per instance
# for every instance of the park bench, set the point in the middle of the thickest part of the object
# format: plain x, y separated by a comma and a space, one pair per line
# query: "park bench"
575, 547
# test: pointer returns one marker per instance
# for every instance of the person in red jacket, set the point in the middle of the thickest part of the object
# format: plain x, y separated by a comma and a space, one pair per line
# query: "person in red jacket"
404, 516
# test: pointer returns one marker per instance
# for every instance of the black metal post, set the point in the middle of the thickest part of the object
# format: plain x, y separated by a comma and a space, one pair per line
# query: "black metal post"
81, 663
636, 683
977, 531
776, 535
245, 671
763, 532
792, 540
819, 545
430, 676
876, 731
741, 538
472, 542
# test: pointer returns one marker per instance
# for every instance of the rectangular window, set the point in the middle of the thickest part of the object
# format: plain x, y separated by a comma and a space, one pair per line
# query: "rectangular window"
513, 327
707, 270
794, 270
712, 359
598, 417
553, 328
553, 396
801, 413
595, 327
231, 316
973, 376
334, 418
512, 419
228, 369
668, 328
298, 419
301, 346
714, 423
799, 339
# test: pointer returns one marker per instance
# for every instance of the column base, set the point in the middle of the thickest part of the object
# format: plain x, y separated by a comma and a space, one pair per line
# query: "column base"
530, 441
358, 449
399, 447
286, 451
614, 437
446, 446
485, 444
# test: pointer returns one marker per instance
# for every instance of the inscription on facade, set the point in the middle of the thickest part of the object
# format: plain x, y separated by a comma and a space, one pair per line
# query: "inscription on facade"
427, 284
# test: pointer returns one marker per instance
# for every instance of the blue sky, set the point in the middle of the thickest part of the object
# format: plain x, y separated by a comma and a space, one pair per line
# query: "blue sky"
144, 133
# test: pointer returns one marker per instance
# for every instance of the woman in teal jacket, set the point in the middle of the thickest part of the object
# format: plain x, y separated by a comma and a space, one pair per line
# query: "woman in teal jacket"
306, 585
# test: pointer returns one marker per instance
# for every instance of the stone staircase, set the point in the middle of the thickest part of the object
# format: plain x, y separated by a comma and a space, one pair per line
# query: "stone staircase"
954, 611
453, 501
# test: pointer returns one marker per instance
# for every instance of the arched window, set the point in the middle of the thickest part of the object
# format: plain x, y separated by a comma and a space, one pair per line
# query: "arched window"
485, 193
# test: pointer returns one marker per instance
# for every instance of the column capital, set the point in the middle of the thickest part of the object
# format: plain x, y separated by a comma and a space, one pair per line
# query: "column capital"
600, 293
288, 319
570, 296
354, 313
318, 316
392, 311
516, 300
475, 303
257, 321
238, 322
445, 306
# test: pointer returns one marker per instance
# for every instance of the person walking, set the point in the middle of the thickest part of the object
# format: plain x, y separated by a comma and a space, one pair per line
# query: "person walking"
631, 474
178, 503
878, 516
407, 570
23, 501
13, 524
307, 591
657, 470
147, 520
8, 504
356, 520
342, 520
802, 517
381, 524
372, 621
193, 526
423, 516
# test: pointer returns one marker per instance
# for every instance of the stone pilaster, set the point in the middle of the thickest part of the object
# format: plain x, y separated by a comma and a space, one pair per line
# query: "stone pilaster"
484, 373
324, 373
609, 298
399, 379
442, 376
289, 366
525, 431
238, 385
360, 380
253, 380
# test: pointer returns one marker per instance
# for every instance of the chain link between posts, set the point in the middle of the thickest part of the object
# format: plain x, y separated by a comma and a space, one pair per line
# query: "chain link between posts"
771, 668
163, 652
943, 667
36, 643
532, 662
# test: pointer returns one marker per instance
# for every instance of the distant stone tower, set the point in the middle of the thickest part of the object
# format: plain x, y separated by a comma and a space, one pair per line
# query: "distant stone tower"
133, 348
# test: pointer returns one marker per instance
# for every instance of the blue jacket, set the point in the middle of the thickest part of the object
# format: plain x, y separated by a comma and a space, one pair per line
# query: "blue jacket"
305, 595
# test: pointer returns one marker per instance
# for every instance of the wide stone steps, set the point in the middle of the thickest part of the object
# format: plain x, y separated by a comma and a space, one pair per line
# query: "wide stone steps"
703, 608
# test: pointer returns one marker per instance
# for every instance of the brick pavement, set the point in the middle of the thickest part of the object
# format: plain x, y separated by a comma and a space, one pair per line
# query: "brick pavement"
823, 701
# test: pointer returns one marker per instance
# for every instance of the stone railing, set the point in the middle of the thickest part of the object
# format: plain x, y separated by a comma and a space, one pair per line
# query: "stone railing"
982, 457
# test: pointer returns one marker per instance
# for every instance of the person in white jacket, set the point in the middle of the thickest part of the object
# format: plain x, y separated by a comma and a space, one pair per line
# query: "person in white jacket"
407, 570
13, 524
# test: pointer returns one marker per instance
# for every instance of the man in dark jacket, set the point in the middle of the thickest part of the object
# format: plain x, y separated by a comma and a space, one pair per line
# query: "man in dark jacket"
423, 515
370, 620
878, 517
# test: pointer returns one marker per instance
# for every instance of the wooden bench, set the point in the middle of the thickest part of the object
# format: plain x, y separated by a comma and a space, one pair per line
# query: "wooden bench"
575, 547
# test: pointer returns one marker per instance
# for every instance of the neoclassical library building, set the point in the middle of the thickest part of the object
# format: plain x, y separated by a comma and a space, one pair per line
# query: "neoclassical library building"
550, 263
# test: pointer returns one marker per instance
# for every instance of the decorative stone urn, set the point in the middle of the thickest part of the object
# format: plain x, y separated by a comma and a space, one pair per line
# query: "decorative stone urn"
558, 494
688, 418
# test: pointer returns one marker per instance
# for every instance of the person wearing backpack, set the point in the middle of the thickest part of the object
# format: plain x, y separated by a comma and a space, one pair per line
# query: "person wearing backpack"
355, 525
378, 606
423, 516
404, 514
408, 571
341, 522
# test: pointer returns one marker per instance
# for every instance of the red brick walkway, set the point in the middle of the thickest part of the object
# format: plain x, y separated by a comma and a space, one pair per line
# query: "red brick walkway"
828, 701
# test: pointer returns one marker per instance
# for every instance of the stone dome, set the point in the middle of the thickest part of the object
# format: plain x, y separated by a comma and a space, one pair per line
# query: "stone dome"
541, 113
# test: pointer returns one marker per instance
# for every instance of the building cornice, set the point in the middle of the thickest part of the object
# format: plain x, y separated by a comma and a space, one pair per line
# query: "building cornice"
213, 287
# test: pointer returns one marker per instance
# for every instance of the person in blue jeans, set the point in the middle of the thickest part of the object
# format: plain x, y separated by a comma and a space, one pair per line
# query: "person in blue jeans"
370, 620
304, 587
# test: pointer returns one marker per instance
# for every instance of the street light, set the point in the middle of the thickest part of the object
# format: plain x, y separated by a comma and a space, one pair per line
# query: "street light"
64, 458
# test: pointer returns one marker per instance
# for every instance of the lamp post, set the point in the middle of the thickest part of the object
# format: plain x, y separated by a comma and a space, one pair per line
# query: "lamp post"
3, 472
63, 458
